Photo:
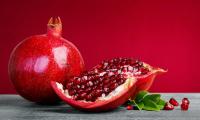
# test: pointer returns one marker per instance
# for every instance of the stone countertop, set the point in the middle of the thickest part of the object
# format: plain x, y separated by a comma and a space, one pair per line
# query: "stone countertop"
13, 107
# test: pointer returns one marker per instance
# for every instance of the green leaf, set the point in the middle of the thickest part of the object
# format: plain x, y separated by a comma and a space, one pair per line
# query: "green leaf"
161, 107
161, 102
153, 97
150, 105
140, 105
140, 96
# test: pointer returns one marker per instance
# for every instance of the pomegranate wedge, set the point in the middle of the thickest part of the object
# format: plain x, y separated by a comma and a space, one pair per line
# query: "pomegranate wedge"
107, 85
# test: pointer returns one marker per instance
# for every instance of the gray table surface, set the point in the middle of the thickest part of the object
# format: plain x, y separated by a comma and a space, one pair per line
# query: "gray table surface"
13, 107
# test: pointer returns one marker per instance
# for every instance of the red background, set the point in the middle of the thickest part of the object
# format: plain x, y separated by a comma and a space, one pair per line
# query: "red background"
162, 33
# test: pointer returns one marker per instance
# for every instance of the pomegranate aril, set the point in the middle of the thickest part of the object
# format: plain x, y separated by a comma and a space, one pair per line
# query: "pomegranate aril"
98, 93
113, 86
168, 106
129, 107
82, 86
106, 81
88, 97
124, 69
173, 102
83, 95
185, 101
184, 106
69, 85
71, 92
106, 90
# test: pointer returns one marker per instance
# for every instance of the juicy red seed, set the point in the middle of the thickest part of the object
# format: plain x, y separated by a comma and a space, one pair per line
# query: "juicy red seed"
88, 90
106, 81
173, 102
83, 95
98, 93
124, 69
168, 106
113, 86
184, 106
72, 92
185, 101
69, 85
88, 97
106, 90
144, 70
129, 107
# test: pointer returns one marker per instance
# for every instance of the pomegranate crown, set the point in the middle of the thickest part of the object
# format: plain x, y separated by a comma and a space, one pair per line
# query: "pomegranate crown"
54, 26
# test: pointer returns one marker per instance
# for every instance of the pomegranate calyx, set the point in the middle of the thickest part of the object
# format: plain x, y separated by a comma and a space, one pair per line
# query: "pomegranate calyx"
54, 27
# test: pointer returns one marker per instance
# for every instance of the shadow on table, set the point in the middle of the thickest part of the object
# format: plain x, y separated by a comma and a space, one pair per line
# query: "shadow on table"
70, 110
56, 108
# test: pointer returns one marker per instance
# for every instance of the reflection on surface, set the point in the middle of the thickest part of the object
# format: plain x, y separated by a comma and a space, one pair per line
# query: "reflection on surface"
41, 64
60, 56
37, 64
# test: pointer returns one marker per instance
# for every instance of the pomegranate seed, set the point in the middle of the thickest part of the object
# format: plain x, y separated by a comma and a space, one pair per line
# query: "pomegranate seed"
129, 107
185, 101
106, 81
113, 86
184, 106
106, 90
173, 102
88, 97
168, 106
124, 69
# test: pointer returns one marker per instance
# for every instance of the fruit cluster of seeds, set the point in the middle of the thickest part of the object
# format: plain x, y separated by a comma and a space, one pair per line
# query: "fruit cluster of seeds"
104, 78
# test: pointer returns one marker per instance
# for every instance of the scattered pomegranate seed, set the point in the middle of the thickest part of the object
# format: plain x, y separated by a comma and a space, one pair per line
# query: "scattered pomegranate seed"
184, 106
129, 107
168, 106
173, 102
185, 101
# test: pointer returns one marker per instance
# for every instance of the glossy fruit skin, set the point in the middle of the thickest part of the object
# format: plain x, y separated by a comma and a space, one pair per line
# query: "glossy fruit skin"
173, 102
39, 59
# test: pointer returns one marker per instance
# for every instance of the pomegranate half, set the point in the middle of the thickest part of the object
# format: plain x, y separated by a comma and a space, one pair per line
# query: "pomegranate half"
107, 85
39, 59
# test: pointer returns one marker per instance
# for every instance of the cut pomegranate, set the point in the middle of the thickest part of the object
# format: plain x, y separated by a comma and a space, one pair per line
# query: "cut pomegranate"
106, 86
168, 106
173, 102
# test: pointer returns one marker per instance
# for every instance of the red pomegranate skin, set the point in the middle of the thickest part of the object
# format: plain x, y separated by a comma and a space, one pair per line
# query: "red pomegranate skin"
40, 59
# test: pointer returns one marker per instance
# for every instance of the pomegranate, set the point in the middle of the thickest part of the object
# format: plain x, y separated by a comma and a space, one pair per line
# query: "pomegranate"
106, 86
39, 59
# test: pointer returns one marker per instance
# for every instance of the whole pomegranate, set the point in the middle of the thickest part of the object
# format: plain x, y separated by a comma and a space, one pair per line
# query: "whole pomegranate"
107, 85
39, 59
